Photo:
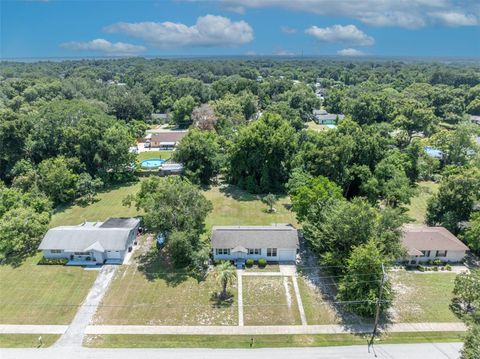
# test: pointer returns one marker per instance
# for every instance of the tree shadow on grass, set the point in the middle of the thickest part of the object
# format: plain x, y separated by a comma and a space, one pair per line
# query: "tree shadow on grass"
237, 193
218, 301
155, 264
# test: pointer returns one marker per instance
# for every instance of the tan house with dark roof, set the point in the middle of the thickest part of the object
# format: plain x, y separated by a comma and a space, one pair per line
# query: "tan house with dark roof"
167, 140
424, 243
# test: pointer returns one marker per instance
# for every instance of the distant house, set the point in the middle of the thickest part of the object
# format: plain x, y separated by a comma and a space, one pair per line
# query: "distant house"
276, 243
166, 140
160, 117
91, 242
424, 243
475, 119
322, 117
434, 152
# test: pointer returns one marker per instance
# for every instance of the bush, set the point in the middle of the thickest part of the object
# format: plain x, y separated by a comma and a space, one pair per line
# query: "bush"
429, 262
262, 262
435, 268
448, 267
421, 268
249, 262
53, 261
437, 261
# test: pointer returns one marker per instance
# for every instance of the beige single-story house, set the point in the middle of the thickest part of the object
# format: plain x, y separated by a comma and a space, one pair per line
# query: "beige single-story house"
91, 242
424, 243
166, 140
275, 243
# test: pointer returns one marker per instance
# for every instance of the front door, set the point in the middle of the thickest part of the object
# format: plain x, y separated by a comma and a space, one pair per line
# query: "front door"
239, 255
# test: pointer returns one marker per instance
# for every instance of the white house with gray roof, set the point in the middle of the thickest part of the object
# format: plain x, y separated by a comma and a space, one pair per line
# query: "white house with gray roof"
91, 242
275, 243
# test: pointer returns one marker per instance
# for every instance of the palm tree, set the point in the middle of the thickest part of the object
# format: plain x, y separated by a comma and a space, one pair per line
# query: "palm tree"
270, 199
225, 273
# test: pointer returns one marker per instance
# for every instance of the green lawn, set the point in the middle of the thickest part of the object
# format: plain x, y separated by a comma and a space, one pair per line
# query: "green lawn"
267, 302
260, 341
418, 204
109, 204
155, 294
316, 310
423, 297
42, 294
233, 206
27, 340
164, 155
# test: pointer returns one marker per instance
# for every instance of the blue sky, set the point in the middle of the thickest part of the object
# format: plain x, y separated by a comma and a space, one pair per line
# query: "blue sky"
52, 28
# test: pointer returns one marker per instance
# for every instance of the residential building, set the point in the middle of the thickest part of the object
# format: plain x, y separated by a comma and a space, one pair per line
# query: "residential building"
322, 117
166, 140
275, 243
92, 242
424, 243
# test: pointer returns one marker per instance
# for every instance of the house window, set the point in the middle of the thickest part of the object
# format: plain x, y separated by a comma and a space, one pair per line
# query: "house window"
425, 254
222, 251
255, 251
271, 252
441, 254
56, 251
82, 253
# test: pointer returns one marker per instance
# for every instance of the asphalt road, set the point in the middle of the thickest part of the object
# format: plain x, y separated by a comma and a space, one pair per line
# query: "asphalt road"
391, 351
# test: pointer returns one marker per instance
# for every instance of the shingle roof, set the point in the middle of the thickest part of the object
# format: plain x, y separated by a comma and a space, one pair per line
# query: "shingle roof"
275, 236
170, 136
86, 237
120, 222
423, 238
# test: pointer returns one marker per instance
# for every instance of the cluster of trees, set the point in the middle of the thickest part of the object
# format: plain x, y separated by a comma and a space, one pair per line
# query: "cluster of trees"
352, 238
177, 209
466, 304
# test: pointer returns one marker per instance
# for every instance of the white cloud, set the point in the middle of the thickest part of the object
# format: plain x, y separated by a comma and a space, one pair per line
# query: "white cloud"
102, 45
283, 52
454, 18
209, 31
348, 34
400, 13
350, 52
288, 30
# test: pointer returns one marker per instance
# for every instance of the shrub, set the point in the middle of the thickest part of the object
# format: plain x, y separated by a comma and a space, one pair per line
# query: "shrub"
421, 268
249, 262
448, 267
53, 261
429, 262
437, 261
435, 268
262, 262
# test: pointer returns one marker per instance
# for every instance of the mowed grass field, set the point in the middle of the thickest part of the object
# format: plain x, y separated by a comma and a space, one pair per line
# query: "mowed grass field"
232, 206
261, 341
156, 294
42, 294
315, 304
417, 208
422, 297
269, 301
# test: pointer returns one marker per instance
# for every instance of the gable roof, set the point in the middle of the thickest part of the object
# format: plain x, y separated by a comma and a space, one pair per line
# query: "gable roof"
168, 136
89, 236
423, 238
274, 236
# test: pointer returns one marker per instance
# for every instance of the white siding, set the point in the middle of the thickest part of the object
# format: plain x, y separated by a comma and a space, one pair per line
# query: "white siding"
283, 254
452, 257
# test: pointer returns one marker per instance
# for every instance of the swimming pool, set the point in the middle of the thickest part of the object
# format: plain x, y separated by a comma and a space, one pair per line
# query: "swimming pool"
152, 163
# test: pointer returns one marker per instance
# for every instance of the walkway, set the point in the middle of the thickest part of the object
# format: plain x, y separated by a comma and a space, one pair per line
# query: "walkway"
273, 329
240, 296
383, 351
73, 336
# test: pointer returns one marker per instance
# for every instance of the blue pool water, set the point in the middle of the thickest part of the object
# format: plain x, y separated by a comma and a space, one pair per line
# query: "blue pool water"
152, 163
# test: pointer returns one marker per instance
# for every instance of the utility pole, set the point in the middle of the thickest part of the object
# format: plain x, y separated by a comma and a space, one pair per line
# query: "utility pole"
379, 301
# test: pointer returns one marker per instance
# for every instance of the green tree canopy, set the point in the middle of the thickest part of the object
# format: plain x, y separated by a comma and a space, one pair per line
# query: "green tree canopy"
261, 154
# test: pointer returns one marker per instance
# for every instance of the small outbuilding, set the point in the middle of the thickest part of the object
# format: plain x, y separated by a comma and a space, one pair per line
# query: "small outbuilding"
322, 117
91, 242
275, 243
424, 243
